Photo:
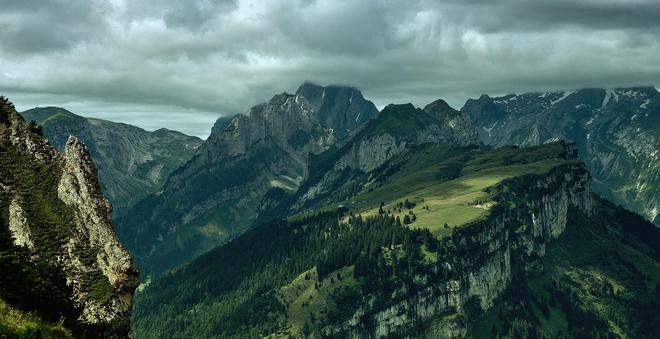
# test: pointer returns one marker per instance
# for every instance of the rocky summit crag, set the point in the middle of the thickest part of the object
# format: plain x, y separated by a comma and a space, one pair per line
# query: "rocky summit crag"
616, 130
132, 162
218, 193
59, 254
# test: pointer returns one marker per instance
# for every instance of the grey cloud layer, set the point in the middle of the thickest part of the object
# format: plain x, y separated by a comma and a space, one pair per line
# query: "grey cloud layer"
199, 59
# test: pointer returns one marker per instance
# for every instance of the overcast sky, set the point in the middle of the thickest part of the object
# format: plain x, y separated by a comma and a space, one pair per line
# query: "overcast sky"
182, 63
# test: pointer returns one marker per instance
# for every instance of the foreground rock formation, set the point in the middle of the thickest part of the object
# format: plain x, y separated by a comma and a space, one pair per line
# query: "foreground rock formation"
64, 260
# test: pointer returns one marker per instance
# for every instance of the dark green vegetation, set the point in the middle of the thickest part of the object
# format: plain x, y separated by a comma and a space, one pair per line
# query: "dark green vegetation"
18, 324
600, 279
132, 162
617, 132
205, 232
240, 298
303, 275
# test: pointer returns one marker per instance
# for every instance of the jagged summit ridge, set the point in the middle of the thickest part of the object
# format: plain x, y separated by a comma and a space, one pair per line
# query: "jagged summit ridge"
221, 186
79, 189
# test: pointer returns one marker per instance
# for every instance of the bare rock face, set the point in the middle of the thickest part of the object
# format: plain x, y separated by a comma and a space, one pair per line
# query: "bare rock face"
79, 189
342, 109
18, 225
216, 195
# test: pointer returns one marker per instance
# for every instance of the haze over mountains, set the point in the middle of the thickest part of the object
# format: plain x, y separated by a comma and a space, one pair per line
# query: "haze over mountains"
329, 169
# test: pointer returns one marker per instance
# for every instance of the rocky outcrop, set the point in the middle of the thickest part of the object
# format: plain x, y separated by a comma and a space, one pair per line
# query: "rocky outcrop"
616, 131
57, 211
18, 225
488, 252
219, 192
340, 108
79, 189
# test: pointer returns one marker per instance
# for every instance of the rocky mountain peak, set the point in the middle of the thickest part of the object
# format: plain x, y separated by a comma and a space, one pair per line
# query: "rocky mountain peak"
222, 123
340, 108
285, 117
440, 109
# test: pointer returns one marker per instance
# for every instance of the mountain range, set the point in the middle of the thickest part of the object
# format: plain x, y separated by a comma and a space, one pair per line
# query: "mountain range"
409, 228
315, 215
132, 162
216, 195
616, 130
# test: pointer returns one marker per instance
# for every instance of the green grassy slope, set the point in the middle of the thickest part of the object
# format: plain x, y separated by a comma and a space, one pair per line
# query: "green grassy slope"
18, 324
444, 185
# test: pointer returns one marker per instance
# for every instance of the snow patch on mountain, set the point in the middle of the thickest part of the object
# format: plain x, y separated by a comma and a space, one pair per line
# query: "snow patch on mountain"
565, 95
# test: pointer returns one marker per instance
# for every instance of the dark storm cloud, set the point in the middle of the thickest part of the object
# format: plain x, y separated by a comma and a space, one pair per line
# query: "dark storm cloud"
34, 26
535, 15
179, 64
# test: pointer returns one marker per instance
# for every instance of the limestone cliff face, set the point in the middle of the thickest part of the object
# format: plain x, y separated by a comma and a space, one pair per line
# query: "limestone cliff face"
79, 189
18, 225
487, 254
57, 212
342, 109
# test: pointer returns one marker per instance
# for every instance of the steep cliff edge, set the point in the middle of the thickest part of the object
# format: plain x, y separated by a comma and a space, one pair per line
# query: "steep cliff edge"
60, 256
340, 108
482, 261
